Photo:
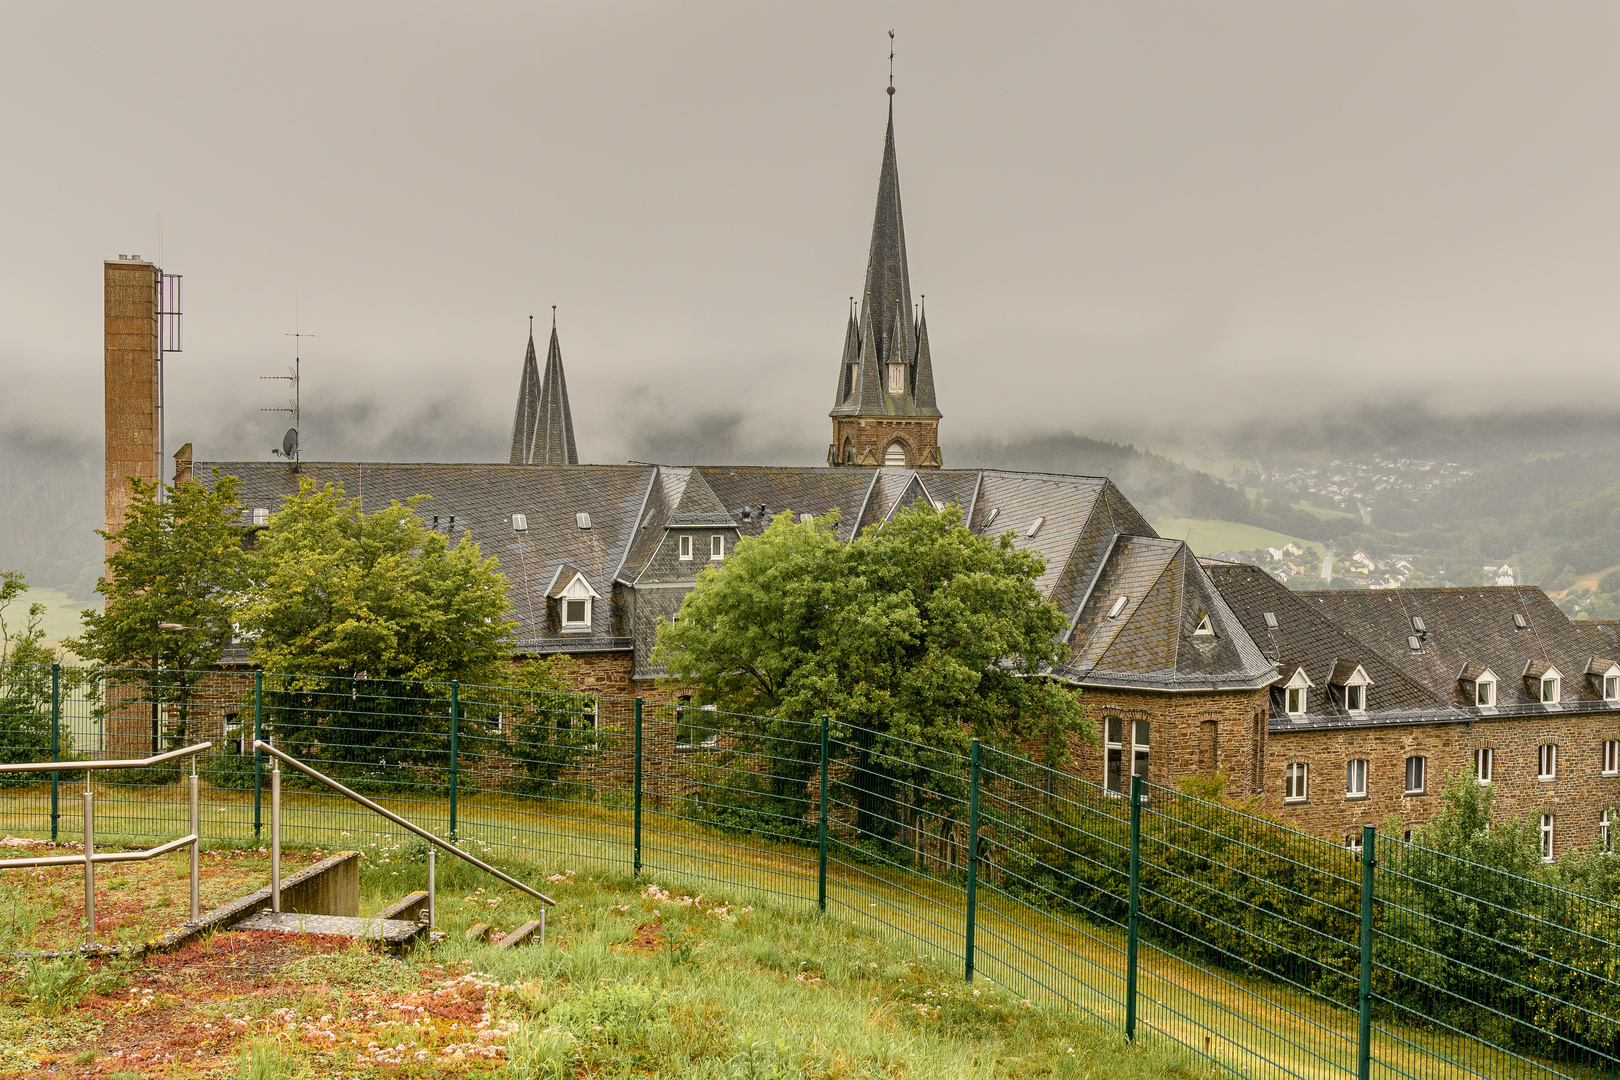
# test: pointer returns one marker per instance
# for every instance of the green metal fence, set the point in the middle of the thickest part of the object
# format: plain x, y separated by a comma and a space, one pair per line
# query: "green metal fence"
1268, 951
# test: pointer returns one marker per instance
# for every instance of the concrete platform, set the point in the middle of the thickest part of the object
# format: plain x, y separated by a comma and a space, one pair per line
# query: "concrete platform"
393, 933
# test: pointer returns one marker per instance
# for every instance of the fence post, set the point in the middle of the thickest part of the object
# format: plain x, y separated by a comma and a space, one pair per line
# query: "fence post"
821, 826
973, 854
258, 755
1369, 858
56, 740
455, 750
1133, 922
638, 788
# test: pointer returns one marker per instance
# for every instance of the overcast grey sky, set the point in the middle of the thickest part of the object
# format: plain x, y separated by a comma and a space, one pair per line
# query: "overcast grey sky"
1137, 212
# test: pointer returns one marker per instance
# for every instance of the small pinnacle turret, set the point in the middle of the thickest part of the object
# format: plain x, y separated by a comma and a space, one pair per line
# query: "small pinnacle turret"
884, 412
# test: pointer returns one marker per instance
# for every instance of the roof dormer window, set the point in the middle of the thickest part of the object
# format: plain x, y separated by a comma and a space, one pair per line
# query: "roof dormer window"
1485, 693
574, 603
1605, 676
1296, 693
1204, 627
1550, 687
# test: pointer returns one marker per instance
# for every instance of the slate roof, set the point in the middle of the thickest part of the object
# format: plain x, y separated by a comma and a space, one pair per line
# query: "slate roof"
1475, 627
1305, 637
1088, 534
1137, 626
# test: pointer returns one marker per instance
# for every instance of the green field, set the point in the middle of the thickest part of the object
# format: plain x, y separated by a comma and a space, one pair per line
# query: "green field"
1209, 536
61, 612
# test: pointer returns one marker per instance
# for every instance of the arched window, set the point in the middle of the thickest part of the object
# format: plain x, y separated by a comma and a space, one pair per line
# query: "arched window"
895, 456
849, 451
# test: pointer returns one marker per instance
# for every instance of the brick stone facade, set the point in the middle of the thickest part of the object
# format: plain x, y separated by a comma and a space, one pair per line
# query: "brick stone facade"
1577, 798
133, 383
1189, 734
865, 440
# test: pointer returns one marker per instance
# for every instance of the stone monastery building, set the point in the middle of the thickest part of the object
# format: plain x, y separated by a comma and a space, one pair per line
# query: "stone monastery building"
1332, 709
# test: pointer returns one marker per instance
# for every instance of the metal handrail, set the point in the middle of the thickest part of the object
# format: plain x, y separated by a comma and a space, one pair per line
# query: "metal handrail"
128, 763
90, 857
99, 856
354, 796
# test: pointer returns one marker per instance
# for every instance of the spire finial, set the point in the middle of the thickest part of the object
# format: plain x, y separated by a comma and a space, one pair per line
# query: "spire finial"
531, 326
891, 63
554, 316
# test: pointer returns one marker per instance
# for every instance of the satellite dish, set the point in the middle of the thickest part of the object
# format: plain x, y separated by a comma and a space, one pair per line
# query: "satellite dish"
289, 443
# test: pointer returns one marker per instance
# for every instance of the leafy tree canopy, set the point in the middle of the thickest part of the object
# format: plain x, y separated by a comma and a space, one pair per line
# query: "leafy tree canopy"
920, 631
25, 680
335, 591
178, 564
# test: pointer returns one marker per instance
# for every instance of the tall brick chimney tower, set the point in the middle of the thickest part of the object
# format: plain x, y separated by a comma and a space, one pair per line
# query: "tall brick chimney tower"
134, 373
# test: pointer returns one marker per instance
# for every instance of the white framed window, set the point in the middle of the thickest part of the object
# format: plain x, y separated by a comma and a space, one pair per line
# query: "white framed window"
1605, 840
1296, 701
1296, 693
1355, 780
1547, 761
1546, 838
685, 545
574, 604
1549, 689
894, 457
1296, 779
1204, 628
1485, 693
696, 728
1611, 688
1484, 764
1355, 698
717, 548
1125, 741
1416, 767
1352, 841
1611, 757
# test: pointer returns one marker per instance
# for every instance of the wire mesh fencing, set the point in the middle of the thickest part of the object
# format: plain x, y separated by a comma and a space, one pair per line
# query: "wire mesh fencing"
1266, 950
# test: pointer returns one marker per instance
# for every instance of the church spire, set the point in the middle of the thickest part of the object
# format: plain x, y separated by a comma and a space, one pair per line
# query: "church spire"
892, 378
543, 431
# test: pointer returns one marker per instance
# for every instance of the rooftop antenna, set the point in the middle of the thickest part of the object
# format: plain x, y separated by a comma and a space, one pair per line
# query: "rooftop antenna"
289, 441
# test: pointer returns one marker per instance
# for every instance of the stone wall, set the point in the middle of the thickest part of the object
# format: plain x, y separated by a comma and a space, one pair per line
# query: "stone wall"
1576, 798
869, 438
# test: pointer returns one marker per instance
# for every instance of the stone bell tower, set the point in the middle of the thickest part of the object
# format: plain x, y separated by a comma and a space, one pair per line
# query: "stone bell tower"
884, 412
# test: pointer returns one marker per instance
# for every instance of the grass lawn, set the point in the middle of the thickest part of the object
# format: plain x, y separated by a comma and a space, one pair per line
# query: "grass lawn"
1256, 1025
635, 979
1209, 536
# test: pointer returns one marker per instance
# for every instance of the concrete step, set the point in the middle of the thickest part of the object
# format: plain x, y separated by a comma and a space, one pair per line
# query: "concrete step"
393, 933
413, 906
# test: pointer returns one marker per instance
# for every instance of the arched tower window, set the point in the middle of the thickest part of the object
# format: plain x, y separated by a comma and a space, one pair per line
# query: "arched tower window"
849, 451
895, 456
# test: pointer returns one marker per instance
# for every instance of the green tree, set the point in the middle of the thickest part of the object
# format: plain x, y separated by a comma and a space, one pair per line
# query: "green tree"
915, 639
370, 616
25, 682
176, 577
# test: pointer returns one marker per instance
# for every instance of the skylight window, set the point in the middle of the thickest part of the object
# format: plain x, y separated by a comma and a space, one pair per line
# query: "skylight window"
1414, 643
1271, 620
990, 518
1518, 621
1204, 627
1118, 606
520, 523
1034, 527
582, 519
1417, 624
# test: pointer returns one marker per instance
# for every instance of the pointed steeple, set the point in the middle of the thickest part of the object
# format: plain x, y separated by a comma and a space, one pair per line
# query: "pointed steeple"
528, 407
543, 433
885, 406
